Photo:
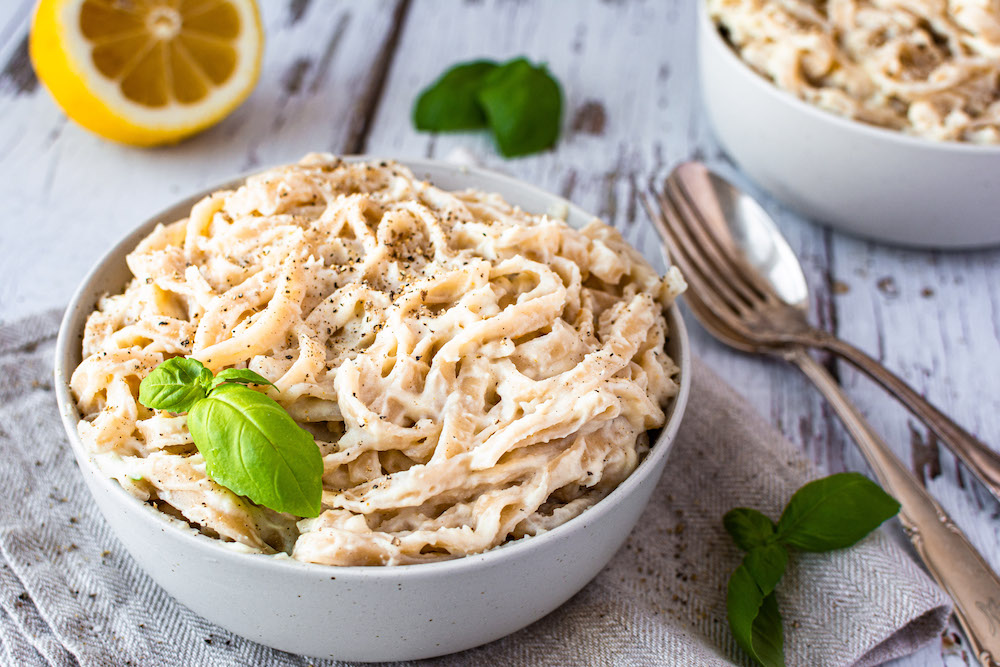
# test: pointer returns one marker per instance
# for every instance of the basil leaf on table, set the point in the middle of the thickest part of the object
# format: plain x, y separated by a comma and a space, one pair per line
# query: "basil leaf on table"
748, 527
175, 385
239, 376
449, 104
523, 105
253, 447
834, 512
520, 102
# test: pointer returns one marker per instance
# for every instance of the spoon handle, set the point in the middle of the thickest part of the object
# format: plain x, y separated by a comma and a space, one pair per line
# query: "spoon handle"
978, 457
944, 549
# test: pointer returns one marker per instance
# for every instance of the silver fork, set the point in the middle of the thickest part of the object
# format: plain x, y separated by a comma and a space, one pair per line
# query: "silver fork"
751, 306
737, 306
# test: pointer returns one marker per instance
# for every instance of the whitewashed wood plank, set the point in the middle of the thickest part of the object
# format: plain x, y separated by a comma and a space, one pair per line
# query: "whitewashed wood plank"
14, 16
933, 318
73, 194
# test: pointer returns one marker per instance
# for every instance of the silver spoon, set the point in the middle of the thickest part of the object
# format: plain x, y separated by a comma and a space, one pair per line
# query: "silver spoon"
772, 310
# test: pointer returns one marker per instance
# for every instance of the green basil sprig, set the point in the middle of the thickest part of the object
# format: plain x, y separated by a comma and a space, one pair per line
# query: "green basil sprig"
831, 513
520, 102
251, 445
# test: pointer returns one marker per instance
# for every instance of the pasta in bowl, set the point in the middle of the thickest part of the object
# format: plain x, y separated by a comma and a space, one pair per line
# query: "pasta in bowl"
472, 374
929, 69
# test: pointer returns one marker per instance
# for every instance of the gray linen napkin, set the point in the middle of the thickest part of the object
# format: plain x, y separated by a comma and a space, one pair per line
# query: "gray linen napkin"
70, 594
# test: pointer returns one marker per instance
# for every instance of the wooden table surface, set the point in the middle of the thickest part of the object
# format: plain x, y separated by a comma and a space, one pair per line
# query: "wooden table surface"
342, 76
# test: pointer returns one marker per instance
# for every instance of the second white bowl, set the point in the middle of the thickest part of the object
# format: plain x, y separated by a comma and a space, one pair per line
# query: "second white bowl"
865, 180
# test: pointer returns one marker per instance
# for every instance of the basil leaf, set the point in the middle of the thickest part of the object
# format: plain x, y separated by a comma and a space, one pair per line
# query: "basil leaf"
826, 514
449, 104
239, 376
766, 564
523, 105
768, 634
754, 619
175, 385
748, 528
834, 512
254, 448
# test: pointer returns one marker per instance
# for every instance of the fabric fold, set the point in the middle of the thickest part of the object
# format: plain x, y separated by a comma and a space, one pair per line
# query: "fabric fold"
660, 601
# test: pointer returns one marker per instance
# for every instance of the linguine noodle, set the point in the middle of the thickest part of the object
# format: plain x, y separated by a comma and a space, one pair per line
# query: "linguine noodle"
930, 68
471, 373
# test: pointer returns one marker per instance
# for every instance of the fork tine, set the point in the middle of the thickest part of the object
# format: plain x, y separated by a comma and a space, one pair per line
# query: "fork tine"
717, 319
724, 261
696, 297
702, 294
676, 256
681, 258
718, 238
692, 274
741, 339
687, 252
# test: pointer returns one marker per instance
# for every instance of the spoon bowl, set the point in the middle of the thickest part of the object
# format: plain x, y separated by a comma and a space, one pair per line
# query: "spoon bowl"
750, 228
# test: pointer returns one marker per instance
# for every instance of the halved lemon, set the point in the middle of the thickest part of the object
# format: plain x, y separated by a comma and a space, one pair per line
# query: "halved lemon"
147, 72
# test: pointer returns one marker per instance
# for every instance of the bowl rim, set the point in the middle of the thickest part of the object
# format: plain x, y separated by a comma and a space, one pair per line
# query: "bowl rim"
708, 26
69, 337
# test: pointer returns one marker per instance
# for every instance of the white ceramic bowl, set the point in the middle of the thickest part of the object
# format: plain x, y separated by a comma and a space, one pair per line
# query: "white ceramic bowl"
366, 613
865, 180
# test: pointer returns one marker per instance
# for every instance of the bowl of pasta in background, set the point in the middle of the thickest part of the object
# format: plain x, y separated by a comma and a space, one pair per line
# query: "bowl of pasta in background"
366, 613
866, 180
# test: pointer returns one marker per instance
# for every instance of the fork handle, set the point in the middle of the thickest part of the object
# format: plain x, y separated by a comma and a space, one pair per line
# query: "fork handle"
978, 457
944, 549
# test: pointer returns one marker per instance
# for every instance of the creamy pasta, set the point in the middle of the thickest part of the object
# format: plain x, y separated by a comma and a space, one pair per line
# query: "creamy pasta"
930, 68
471, 373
